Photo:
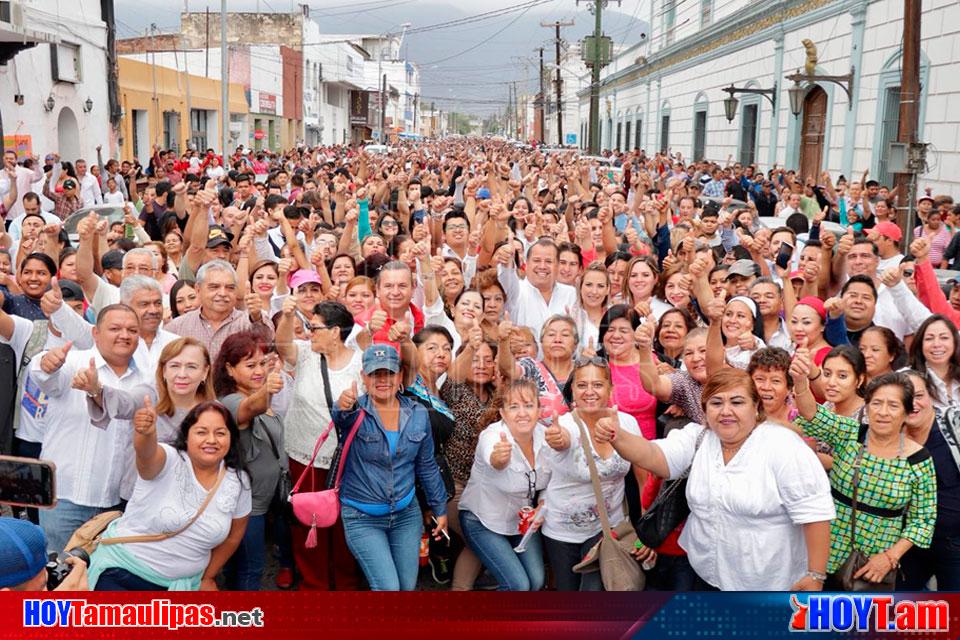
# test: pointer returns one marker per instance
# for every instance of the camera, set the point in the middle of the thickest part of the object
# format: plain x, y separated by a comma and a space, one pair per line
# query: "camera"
57, 570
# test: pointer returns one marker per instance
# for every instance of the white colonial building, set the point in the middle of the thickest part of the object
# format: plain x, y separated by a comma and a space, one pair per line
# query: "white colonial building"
667, 91
54, 89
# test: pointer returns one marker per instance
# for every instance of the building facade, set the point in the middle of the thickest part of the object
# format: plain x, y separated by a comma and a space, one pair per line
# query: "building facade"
156, 109
55, 89
666, 92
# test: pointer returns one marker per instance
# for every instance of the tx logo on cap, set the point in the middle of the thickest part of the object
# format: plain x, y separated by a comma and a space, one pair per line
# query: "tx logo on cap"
380, 353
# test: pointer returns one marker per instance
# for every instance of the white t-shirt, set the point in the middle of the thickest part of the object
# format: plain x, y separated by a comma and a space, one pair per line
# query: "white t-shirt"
308, 415
571, 506
496, 496
167, 502
745, 529
115, 197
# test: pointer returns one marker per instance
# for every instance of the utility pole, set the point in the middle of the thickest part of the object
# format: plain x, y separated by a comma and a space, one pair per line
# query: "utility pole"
206, 71
556, 25
906, 183
153, 72
540, 99
186, 72
383, 110
596, 61
224, 83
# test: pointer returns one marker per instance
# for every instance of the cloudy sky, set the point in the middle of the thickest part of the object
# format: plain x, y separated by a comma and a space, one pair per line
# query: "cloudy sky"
467, 67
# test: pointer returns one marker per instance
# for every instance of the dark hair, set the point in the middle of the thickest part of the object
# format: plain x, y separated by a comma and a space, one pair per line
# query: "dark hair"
853, 356
687, 322
873, 247
892, 343
861, 279
798, 223
455, 215
575, 249
771, 359
235, 348
333, 260
895, 379
174, 290
273, 200
429, 331
335, 314
611, 315
234, 458
41, 257
110, 308
919, 362
615, 256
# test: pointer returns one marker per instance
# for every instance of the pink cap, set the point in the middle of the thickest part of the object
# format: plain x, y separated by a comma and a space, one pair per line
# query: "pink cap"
889, 230
302, 277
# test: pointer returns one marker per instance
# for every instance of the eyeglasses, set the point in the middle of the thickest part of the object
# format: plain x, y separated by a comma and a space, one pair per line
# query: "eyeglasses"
389, 223
531, 477
594, 361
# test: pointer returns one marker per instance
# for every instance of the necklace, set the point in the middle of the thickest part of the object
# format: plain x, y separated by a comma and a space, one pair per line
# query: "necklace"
736, 447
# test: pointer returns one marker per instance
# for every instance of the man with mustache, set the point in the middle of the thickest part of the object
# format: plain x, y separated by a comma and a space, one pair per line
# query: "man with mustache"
91, 461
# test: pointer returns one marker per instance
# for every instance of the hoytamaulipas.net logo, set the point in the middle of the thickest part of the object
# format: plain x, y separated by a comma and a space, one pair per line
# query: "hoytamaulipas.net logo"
868, 612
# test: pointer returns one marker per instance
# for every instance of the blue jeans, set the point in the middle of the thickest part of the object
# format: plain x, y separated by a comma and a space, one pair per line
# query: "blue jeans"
671, 573
244, 570
387, 547
513, 571
563, 555
942, 559
60, 522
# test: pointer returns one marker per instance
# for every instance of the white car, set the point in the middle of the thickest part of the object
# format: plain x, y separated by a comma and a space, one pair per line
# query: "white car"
377, 149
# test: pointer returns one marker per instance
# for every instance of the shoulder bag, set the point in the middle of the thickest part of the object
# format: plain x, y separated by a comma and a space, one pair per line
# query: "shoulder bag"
669, 509
321, 508
619, 570
281, 496
90, 534
844, 576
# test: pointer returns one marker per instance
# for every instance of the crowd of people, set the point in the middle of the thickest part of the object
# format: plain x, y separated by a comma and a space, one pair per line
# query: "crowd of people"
501, 339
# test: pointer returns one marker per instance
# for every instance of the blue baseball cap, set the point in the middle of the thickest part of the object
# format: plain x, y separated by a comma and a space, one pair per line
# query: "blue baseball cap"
381, 356
23, 551
483, 193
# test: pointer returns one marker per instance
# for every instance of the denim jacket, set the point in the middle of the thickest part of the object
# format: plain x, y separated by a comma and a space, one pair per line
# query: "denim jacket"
372, 475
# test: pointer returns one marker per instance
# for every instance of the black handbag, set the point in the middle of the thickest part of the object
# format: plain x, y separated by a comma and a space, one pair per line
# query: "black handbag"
844, 576
284, 485
668, 509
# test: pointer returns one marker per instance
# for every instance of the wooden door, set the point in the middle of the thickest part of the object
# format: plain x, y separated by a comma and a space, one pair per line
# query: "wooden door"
812, 133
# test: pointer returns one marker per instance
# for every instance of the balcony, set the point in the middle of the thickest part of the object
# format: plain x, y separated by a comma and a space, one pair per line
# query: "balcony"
14, 35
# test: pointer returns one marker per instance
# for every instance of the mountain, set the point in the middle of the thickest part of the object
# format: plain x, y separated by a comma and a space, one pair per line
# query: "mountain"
466, 68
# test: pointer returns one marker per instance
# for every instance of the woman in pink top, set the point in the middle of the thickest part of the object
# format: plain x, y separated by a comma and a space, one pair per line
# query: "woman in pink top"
620, 348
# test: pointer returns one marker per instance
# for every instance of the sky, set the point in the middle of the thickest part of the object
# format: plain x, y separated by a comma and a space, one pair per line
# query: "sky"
466, 68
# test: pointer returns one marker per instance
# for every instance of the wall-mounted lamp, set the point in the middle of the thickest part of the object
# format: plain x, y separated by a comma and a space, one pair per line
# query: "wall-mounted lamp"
18, 98
88, 106
49, 103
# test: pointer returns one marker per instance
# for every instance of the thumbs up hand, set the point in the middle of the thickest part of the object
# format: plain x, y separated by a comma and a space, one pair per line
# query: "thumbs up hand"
52, 299
87, 380
348, 399
53, 359
502, 451
608, 426
556, 436
475, 335
145, 419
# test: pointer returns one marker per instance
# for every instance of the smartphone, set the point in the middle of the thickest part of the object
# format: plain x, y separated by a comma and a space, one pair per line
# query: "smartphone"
784, 255
27, 482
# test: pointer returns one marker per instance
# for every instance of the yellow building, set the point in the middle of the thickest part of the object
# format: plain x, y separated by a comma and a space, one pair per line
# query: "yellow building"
154, 103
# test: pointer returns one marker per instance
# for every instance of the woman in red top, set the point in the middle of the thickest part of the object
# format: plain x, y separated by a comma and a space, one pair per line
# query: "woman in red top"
617, 329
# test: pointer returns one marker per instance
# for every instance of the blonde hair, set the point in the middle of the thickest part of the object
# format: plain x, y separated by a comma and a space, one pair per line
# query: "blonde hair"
172, 350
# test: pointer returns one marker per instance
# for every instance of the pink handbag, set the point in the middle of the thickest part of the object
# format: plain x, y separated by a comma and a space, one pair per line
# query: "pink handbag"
321, 508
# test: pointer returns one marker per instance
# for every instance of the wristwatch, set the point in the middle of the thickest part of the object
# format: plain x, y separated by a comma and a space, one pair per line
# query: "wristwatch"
816, 575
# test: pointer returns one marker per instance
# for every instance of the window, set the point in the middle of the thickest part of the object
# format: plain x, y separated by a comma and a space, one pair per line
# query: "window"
748, 134
664, 133
626, 135
669, 21
637, 133
619, 131
706, 13
198, 128
65, 62
171, 130
888, 132
699, 135
141, 134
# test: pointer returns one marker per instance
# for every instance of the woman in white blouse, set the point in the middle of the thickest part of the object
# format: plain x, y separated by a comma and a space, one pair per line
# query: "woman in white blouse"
572, 523
174, 481
760, 504
508, 471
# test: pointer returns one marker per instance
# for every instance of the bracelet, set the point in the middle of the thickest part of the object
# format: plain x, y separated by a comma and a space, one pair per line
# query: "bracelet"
819, 373
816, 575
893, 562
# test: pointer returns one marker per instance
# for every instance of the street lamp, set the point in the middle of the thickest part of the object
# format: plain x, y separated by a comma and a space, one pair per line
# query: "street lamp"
797, 91
88, 106
730, 103
49, 103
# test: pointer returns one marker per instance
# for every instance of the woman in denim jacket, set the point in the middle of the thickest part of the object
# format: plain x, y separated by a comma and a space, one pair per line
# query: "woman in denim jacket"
392, 450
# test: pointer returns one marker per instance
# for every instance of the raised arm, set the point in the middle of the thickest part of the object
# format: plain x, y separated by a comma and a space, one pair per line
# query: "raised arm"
150, 455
